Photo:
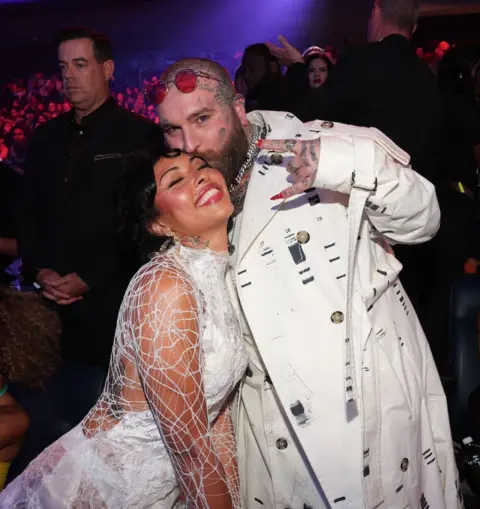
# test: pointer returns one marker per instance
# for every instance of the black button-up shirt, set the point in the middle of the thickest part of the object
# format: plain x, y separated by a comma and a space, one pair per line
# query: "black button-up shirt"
68, 218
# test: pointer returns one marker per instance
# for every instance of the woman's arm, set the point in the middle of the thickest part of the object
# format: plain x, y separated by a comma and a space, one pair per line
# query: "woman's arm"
167, 329
223, 436
13, 423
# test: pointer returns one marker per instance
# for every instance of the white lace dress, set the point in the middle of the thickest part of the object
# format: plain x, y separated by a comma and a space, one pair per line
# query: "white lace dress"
163, 418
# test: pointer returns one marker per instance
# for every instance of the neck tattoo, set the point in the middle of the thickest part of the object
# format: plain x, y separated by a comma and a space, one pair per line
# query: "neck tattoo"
238, 188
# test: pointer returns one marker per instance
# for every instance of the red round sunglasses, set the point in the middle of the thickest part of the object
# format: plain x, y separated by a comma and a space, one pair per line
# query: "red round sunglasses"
186, 82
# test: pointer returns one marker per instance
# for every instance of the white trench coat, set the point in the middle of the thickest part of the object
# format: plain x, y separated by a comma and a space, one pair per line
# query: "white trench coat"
342, 406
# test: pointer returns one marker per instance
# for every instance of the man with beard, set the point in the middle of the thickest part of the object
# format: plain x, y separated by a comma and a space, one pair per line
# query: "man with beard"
341, 405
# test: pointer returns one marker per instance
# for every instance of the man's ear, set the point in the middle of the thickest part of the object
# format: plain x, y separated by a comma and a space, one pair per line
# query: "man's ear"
108, 69
239, 107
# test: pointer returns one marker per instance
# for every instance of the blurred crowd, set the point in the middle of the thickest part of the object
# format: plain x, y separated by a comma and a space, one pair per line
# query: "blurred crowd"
28, 103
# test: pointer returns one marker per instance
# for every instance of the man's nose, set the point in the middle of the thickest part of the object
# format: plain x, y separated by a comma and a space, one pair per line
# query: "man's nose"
190, 144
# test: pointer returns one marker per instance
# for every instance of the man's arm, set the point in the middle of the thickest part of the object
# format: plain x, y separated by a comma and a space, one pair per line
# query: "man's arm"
402, 205
28, 213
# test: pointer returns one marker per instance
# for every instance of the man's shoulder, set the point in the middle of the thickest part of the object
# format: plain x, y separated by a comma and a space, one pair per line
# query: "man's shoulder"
53, 125
133, 119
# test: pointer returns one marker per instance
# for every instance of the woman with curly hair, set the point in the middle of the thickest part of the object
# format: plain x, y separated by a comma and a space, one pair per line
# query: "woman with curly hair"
29, 334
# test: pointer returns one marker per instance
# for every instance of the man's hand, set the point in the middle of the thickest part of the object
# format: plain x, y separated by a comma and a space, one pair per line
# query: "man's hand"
286, 53
72, 284
303, 167
48, 279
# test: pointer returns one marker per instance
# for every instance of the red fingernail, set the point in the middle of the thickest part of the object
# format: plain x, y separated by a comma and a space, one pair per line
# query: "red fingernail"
278, 196
260, 143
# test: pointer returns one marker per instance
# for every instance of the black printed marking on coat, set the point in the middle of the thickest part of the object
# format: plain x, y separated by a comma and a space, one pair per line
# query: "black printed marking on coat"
267, 252
298, 136
342, 276
258, 500
297, 253
383, 210
424, 503
400, 488
314, 200
289, 115
334, 259
246, 284
366, 453
329, 245
307, 506
382, 272
249, 372
242, 272
341, 499
298, 411
366, 471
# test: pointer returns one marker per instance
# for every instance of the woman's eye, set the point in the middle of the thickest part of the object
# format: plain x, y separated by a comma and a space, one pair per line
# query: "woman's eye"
174, 182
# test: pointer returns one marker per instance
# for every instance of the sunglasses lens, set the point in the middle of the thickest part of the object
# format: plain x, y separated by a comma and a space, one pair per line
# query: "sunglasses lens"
186, 81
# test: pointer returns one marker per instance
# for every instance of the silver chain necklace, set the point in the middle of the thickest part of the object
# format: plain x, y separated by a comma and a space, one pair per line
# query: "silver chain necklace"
252, 153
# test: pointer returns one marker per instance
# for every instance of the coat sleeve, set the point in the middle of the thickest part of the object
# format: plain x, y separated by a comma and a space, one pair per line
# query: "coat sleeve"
403, 206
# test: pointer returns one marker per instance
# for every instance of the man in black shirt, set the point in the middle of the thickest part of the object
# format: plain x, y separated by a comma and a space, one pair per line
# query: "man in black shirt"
67, 219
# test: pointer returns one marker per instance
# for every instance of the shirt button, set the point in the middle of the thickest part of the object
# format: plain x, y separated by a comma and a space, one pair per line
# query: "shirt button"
327, 124
337, 317
405, 464
80, 133
282, 444
303, 237
65, 179
276, 159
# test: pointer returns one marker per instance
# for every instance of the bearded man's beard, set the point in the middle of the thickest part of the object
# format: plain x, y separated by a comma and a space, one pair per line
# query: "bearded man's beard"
231, 155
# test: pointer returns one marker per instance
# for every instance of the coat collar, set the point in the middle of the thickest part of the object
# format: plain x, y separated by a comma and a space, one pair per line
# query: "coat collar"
267, 179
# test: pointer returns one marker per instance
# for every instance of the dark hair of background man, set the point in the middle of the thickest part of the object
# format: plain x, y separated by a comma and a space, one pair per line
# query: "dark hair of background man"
102, 49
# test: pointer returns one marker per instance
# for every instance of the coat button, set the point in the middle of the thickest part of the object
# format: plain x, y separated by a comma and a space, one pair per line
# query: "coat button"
276, 159
337, 317
405, 464
303, 237
282, 444
327, 124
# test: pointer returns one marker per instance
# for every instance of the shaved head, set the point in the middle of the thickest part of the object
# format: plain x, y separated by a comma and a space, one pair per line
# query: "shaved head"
222, 87
210, 120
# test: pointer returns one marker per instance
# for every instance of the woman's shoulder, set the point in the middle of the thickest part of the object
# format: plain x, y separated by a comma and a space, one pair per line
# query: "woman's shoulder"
164, 275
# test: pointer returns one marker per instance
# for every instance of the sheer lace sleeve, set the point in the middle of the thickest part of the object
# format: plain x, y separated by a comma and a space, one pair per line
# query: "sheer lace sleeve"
223, 435
166, 320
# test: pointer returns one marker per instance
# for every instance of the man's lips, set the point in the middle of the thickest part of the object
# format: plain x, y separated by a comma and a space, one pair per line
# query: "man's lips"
209, 195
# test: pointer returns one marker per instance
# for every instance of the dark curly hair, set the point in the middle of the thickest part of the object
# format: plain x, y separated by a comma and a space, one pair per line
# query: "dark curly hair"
29, 337
136, 202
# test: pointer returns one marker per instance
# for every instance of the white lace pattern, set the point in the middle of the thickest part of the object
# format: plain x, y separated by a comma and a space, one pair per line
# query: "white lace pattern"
161, 435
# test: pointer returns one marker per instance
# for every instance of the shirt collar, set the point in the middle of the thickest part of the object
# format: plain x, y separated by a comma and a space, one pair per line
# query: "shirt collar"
93, 118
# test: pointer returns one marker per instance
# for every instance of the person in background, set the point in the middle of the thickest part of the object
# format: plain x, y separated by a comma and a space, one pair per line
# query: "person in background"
306, 76
319, 66
266, 86
385, 85
29, 355
67, 216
